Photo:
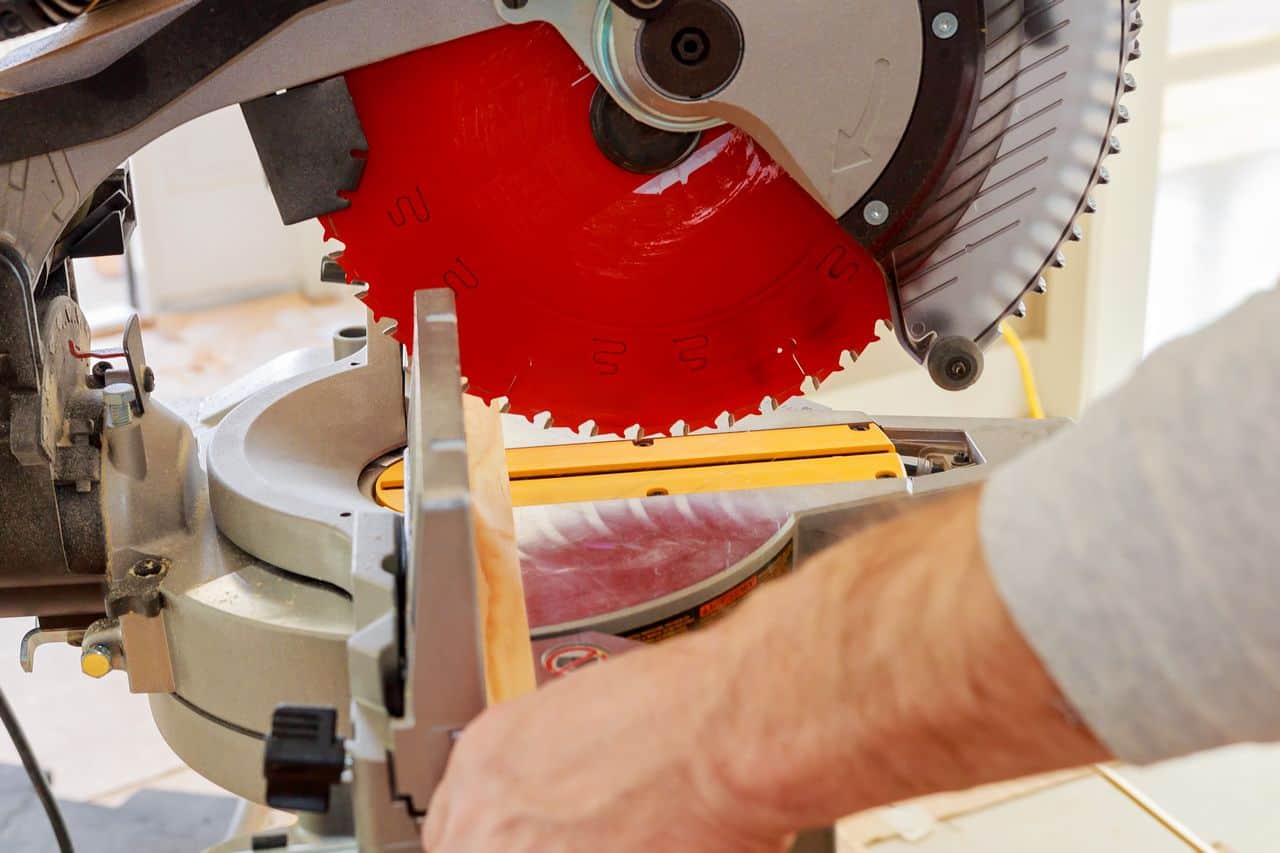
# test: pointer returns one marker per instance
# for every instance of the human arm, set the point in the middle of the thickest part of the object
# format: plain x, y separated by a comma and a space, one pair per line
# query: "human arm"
1137, 554
887, 668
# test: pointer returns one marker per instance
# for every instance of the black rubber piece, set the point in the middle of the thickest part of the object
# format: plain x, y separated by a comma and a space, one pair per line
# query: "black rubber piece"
693, 50
955, 363
633, 145
305, 138
303, 757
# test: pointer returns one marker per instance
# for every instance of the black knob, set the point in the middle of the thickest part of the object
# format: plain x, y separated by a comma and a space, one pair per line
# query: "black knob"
303, 758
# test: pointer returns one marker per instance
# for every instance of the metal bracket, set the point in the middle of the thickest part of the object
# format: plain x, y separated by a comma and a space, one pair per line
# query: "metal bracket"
444, 685
37, 637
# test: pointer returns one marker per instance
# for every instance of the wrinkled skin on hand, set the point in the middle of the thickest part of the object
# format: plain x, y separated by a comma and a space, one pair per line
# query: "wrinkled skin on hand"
607, 759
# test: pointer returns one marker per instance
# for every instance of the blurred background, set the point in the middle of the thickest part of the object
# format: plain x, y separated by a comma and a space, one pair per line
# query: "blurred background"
1185, 232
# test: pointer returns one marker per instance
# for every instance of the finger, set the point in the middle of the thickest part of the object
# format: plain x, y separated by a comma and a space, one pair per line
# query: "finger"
433, 826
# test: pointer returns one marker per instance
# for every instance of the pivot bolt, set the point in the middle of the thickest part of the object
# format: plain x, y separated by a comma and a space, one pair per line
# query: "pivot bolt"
95, 660
118, 399
945, 25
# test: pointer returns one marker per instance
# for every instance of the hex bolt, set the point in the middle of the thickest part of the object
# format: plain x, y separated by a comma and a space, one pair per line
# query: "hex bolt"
945, 25
876, 213
118, 399
95, 660
691, 46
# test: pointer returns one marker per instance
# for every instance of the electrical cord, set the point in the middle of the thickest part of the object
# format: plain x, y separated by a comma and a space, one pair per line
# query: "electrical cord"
38, 781
1029, 387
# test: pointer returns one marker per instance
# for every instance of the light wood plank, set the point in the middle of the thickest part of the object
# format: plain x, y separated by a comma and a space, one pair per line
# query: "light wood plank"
508, 654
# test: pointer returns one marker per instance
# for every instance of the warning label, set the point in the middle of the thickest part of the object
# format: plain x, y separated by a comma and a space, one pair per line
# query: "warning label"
565, 659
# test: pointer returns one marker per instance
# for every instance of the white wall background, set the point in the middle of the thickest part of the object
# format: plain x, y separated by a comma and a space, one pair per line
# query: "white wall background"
209, 229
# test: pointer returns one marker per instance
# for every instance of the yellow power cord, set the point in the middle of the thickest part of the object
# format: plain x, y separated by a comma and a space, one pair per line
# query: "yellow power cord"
1029, 387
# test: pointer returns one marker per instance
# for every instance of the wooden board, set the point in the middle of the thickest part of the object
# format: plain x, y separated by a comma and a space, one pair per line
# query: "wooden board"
508, 654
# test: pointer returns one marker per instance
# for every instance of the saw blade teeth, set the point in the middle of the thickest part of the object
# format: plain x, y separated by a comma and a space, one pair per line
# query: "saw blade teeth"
726, 420
848, 358
588, 429
1041, 286
502, 404
544, 420
768, 405
635, 432
680, 429
811, 385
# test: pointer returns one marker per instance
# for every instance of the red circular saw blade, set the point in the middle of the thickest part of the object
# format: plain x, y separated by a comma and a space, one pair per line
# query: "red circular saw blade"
582, 289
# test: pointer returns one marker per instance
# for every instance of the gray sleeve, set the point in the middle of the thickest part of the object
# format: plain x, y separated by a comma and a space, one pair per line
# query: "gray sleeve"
1139, 551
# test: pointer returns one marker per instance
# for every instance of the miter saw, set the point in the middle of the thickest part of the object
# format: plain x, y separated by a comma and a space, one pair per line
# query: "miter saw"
654, 221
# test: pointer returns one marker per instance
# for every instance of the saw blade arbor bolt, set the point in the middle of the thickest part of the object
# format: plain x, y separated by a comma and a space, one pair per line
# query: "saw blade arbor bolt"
945, 25
691, 46
693, 50
876, 213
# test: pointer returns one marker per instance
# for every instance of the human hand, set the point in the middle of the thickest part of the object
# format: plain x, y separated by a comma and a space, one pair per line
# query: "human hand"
625, 755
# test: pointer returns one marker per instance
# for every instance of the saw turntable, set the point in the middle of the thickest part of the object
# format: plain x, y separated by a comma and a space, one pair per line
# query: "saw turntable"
653, 222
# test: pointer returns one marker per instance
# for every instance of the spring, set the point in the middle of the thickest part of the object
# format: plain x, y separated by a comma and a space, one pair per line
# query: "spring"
23, 17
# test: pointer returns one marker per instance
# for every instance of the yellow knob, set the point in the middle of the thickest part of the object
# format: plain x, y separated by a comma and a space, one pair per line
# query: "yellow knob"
95, 661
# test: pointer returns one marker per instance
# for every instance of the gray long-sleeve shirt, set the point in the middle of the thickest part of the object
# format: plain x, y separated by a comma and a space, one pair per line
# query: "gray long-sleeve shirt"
1139, 551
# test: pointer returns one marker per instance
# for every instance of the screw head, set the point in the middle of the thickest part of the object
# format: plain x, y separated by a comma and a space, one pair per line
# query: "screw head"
148, 567
945, 25
876, 213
